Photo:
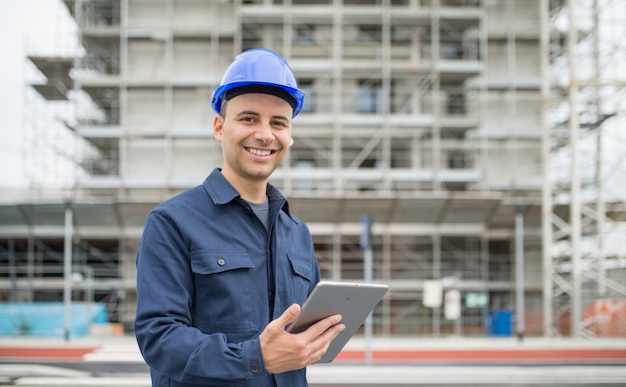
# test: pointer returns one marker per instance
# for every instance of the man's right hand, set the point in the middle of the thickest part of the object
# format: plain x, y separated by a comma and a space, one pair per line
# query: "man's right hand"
283, 351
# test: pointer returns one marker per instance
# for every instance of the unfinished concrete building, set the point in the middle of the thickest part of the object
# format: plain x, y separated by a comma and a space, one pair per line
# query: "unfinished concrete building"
424, 115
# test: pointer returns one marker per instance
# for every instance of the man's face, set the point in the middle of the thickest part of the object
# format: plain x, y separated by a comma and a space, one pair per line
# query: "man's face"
255, 131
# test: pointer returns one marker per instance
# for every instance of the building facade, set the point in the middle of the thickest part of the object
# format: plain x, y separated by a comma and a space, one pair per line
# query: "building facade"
425, 116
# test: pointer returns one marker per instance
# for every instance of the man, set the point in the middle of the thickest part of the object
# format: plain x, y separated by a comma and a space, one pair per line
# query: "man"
222, 268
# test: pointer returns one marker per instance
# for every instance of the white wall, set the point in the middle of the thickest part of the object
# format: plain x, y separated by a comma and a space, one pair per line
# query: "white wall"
146, 113
192, 109
193, 159
145, 160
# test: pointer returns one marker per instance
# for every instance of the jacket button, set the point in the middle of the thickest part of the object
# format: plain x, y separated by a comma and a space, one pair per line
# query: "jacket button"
221, 262
255, 368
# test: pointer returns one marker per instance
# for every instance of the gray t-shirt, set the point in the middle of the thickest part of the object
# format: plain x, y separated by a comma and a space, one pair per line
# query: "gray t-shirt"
262, 211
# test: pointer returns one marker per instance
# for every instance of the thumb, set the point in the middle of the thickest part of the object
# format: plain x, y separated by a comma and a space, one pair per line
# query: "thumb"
290, 314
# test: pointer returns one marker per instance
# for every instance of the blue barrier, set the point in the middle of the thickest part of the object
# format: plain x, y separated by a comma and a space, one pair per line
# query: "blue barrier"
499, 323
47, 319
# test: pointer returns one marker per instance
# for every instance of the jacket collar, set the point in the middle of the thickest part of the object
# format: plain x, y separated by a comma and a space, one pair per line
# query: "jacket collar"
222, 192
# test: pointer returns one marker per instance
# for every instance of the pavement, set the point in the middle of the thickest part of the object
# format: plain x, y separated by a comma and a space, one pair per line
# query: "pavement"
504, 350
405, 361
371, 376
396, 350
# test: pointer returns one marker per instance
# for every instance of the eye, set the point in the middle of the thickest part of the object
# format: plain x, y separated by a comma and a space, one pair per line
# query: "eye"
279, 123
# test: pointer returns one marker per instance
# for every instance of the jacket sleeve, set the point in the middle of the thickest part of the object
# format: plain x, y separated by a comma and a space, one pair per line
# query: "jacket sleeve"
163, 325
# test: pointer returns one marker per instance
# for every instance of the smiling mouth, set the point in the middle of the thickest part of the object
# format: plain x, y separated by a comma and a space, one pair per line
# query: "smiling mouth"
260, 152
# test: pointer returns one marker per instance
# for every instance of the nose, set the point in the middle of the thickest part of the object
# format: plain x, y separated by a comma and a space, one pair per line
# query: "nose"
264, 133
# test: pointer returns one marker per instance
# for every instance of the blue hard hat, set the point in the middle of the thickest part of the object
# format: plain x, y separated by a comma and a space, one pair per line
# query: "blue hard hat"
259, 70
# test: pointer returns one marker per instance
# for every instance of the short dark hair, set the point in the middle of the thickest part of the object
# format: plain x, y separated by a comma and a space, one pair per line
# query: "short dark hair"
260, 88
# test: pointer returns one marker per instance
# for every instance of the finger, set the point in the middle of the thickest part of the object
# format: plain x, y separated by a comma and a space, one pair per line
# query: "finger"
321, 343
323, 325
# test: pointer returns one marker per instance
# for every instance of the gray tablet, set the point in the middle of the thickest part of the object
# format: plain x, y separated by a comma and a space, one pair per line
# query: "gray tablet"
354, 301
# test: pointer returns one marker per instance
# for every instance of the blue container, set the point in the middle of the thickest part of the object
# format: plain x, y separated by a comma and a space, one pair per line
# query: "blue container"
47, 319
499, 323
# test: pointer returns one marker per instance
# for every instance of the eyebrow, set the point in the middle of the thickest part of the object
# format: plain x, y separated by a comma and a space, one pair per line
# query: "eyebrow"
252, 112
247, 113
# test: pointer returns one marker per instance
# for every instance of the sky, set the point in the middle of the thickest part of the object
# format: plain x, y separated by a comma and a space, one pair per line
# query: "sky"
19, 20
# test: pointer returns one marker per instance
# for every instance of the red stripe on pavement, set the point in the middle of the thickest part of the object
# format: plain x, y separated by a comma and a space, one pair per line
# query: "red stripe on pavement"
381, 356
495, 355
45, 353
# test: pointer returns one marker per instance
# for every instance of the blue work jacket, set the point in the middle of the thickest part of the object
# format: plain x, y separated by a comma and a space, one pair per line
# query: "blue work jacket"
209, 280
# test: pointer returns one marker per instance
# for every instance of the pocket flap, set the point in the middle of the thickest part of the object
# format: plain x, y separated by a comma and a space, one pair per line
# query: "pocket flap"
300, 265
217, 261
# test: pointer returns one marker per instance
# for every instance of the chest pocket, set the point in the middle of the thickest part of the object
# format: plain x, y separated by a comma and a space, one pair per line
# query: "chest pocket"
302, 274
218, 261
225, 283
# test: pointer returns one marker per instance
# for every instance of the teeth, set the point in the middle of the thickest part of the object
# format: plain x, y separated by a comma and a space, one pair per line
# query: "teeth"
259, 152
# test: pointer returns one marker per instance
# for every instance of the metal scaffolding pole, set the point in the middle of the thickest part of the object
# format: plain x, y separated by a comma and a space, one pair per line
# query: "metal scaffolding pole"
575, 204
546, 191
600, 204
519, 272
67, 270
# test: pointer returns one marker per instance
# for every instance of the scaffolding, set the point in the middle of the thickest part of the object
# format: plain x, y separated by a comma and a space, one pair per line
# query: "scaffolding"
430, 116
50, 148
588, 86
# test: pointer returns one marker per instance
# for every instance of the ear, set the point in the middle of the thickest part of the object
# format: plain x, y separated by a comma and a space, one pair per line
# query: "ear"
218, 127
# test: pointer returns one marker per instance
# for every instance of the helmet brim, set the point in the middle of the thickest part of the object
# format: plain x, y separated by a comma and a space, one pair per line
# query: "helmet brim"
218, 95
